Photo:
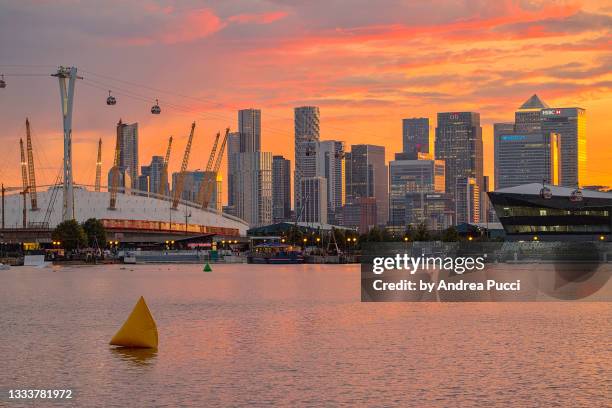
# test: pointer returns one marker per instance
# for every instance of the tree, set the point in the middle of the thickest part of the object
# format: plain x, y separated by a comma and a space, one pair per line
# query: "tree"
70, 234
450, 235
96, 234
421, 234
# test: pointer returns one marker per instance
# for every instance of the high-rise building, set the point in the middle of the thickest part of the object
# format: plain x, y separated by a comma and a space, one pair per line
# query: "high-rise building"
415, 137
281, 189
569, 124
467, 200
306, 123
314, 193
330, 164
409, 178
459, 143
249, 127
233, 148
191, 187
253, 183
367, 177
128, 150
153, 173
528, 117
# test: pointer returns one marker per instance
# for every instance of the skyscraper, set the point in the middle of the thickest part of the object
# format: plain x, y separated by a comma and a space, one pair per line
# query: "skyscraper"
528, 117
281, 189
314, 191
330, 164
409, 179
233, 148
128, 150
253, 183
459, 143
467, 200
249, 127
191, 187
153, 172
306, 123
569, 124
367, 177
415, 137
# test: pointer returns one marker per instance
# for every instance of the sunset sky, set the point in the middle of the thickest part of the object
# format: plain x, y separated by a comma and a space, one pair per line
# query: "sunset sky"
366, 64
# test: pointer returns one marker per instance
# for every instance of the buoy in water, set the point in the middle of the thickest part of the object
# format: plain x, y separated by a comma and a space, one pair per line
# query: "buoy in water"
139, 330
207, 267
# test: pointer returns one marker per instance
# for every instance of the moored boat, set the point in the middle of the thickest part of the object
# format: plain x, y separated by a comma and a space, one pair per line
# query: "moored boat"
275, 253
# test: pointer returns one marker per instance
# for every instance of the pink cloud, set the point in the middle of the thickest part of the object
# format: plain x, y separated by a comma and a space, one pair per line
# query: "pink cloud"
262, 18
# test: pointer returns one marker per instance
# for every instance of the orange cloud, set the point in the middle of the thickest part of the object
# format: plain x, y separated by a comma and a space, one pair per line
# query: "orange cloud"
262, 18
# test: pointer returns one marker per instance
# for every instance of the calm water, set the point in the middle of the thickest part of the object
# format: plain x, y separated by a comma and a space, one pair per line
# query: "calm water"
298, 335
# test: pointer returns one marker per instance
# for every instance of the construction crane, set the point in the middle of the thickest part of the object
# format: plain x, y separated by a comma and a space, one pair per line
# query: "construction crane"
211, 177
31, 172
211, 159
180, 180
98, 166
115, 174
163, 179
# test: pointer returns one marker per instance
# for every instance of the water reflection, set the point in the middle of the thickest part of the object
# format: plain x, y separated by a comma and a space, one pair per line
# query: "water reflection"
138, 356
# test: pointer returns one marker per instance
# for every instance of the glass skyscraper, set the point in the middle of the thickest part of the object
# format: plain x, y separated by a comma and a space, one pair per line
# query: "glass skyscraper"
415, 137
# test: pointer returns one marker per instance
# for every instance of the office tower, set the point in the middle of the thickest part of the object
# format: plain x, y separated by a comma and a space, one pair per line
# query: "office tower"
459, 143
143, 185
124, 182
359, 214
253, 183
528, 118
330, 164
154, 173
233, 147
128, 150
467, 200
314, 193
281, 189
368, 178
306, 124
569, 124
249, 127
415, 137
410, 178
523, 158
191, 187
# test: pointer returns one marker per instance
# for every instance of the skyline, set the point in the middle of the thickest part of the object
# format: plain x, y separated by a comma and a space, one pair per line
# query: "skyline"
365, 72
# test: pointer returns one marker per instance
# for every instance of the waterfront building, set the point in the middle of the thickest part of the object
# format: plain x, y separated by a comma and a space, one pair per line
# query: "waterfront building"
415, 137
127, 135
459, 143
253, 182
367, 177
306, 126
331, 165
249, 128
467, 200
281, 189
314, 193
526, 214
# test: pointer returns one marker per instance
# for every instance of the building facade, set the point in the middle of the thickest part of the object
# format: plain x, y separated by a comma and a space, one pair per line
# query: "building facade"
153, 175
249, 128
127, 135
415, 137
467, 200
368, 177
459, 144
306, 127
233, 148
314, 193
281, 189
331, 165
253, 201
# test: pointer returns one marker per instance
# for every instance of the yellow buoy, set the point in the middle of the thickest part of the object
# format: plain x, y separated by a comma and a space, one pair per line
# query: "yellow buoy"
139, 330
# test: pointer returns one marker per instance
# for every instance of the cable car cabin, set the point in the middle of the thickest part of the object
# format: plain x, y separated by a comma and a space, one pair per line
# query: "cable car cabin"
545, 193
576, 196
111, 99
155, 109
2, 82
